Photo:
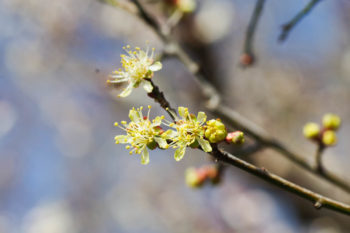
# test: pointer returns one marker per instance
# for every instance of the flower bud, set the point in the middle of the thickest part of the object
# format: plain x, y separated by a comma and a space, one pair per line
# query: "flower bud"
331, 121
236, 137
193, 178
311, 130
246, 59
215, 131
186, 6
329, 138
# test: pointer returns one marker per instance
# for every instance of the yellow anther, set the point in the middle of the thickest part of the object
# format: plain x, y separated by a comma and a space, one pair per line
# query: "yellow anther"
116, 123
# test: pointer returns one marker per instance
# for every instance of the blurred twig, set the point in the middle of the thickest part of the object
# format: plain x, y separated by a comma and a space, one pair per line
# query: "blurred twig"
214, 104
248, 56
286, 28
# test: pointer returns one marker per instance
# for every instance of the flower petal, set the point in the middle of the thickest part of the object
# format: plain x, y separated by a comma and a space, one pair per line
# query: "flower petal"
156, 66
169, 134
145, 156
182, 111
134, 115
204, 144
147, 86
201, 117
161, 142
126, 91
157, 121
179, 153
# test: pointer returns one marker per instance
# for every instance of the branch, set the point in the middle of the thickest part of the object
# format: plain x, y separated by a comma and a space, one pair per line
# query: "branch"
317, 199
214, 104
248, 56
286, 28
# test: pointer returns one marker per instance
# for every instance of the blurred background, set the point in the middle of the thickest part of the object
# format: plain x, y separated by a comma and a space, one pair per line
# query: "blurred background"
60, 171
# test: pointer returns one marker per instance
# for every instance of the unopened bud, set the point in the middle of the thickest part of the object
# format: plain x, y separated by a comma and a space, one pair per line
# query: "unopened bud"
246, 59
311, 130
331, 121
193, 178
236, 137
215, 131
329, 138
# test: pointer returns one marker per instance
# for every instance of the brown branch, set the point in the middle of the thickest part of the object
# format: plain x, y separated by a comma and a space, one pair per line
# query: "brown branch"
317, 199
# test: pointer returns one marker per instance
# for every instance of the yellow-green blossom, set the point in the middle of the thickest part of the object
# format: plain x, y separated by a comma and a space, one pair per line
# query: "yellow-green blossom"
189, 132
138, 66
142, 133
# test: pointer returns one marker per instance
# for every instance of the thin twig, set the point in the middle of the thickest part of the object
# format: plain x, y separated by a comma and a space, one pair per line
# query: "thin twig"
214, 104
286, 28
318, 157
317, 199
159, 97
248, 56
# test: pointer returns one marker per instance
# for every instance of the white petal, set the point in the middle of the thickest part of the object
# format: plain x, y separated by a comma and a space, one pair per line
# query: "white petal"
161, 142
126, 91
179, 153
147, 86
182, 111
170, 134
156, 66
145, 156
204, 144
201, 117
157, 121
134, 115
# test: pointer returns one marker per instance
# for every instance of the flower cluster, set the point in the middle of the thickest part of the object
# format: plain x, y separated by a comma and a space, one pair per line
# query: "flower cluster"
143, 134
326, 135
138, 67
